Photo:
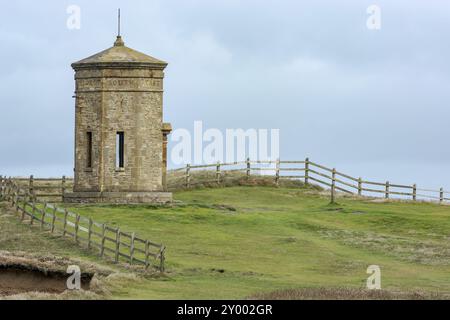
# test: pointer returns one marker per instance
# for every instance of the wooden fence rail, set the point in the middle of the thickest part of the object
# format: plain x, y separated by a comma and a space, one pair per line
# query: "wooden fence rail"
219, 173
110, 242
304, 170
45, 188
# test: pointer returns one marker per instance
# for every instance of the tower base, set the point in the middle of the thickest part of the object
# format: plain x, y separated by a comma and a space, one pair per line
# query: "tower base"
118, 197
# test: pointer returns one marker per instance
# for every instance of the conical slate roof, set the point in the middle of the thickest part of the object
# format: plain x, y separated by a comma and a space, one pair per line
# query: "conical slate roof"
120, 56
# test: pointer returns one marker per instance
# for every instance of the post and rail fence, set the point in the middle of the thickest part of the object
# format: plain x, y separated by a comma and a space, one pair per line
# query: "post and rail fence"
45, 188
26, 194
217, 174
110, 242
306, 171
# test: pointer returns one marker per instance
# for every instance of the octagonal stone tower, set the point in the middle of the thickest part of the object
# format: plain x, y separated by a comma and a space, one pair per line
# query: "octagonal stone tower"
120, 137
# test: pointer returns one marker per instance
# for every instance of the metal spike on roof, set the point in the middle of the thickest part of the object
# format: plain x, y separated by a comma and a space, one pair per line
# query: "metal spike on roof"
119, 42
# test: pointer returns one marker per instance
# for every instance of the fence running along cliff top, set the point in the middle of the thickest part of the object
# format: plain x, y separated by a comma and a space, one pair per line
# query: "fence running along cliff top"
219, 173
113, 243
110, 242
303, 170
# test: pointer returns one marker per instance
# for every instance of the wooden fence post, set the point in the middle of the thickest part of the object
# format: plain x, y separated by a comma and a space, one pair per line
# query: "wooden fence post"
147, 261
441, 195
333, 184
15, 200
359, 186
414, 195
14, 189
247, 171
102, 248
33, 212
7, 190
25, 201
13, 196
54, 219
77, 226
65, 221
116, 259
4, 188
43, 215
10, 189
277, 172
133, 235
31, 186
306, 171
90, 233
161, 258
188, 176
1, 186
218, 172
63, 186
386, 192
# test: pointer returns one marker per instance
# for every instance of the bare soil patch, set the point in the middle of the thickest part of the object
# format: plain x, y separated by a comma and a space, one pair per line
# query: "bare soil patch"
22, 273
19, 280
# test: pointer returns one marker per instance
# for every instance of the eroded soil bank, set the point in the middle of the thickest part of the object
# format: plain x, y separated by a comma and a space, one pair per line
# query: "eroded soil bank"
20, 273
16, 279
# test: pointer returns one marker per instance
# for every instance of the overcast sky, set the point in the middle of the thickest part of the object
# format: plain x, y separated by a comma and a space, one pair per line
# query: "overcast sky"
371, 103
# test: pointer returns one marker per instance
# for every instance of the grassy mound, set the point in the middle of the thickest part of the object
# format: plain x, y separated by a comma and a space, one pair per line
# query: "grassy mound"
247, 241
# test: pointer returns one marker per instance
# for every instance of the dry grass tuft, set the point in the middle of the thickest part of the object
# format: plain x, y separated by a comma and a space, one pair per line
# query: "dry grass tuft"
345, 294
46, 263
207, 179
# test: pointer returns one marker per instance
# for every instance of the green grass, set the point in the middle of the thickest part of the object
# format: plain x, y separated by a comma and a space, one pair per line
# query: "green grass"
240, 241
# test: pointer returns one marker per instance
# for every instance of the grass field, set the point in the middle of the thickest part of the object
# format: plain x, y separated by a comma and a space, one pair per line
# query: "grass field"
245, 241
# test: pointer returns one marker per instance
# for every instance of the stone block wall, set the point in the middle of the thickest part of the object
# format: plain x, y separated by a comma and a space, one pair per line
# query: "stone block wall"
108, 101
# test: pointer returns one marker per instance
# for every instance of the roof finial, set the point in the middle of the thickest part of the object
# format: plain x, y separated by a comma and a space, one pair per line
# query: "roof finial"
118, 23
119, 42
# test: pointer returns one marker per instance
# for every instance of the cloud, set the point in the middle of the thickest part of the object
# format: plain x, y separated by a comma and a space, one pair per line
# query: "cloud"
337, 91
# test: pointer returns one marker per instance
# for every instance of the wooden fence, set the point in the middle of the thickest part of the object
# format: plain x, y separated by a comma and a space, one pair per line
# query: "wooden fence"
110, 242
306, 171
51, 189
220, 173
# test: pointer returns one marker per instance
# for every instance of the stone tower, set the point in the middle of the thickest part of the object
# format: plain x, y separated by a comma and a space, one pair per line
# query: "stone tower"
120, 137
